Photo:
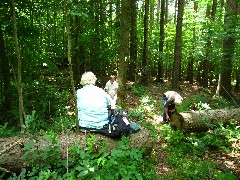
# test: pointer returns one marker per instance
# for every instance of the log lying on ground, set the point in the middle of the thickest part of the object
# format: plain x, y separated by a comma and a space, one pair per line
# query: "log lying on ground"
12, 148
197, 121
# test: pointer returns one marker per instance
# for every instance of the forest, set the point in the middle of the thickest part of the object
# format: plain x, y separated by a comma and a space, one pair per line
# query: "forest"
151, 46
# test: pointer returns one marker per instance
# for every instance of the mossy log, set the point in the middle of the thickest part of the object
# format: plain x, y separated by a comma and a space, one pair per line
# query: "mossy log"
203, 120
12, 147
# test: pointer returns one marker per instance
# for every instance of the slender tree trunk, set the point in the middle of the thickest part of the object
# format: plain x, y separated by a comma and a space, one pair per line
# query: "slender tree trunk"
161, 42
76, 74
207, 56
82, 52
237, 80
124, 48
133, 42
5, 75
224, 84
111, 20
19, 83
190, 74
191, 61
206, 63
145, 63
177, 48
175, 11
151, 23
70, 62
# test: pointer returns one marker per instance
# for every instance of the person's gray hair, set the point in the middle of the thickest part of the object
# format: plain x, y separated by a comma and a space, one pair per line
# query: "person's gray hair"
88, 78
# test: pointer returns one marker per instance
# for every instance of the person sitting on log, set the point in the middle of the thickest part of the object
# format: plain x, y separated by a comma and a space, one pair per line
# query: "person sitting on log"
170, 100
92, 103
111, 88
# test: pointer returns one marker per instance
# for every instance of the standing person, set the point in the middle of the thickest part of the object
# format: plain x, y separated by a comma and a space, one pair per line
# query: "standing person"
92, 103
170, 100
111, 88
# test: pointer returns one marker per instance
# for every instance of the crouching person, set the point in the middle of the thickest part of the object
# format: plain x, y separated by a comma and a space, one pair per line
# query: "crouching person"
170, 100
92, 104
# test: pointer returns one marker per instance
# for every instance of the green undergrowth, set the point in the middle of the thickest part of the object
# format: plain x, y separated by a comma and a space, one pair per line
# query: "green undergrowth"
187, 154
90, 162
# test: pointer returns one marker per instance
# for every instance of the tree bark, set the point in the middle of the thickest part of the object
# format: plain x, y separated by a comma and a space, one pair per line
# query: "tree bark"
161, 42
178, 45
145, 63
12, 151
207, 64
19, 83
124, 48
70, 63
224, 84
237, 80
133, 42
203, 120
5, 77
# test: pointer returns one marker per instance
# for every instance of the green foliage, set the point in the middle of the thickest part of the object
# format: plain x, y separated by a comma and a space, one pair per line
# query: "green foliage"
139, 90
89, 162
195, 102
120, 163
43, 159
187, 150
147, 107
5, 131
219, 102
136, 114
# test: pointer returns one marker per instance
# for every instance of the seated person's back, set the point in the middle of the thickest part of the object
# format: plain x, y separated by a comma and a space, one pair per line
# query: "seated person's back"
92, 103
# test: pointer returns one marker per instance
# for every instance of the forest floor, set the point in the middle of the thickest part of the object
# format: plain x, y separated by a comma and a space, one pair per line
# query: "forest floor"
230, 161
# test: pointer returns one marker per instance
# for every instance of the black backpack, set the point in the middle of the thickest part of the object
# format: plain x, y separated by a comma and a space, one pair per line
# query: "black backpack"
118, 125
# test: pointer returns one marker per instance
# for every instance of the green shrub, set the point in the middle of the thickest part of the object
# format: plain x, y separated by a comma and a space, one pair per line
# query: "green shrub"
139, 90
5, 131
89, 162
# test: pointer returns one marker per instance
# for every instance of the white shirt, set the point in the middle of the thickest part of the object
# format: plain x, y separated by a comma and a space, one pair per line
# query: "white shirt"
111, 87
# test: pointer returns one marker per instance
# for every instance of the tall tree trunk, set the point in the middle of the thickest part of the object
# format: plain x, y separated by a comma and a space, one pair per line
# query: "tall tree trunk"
177, 48
175, 11
145, 63
5, 75
166, 12
207, 55
95, 43
70, 63
76, 74
82, 57
133, 41
237, 80
206, 63
189, 76
167, 73
224, 84
124, 48
151, 23
19, 83
161, 42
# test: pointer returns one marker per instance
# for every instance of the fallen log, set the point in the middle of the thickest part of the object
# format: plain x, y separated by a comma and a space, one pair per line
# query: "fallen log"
12, 147
203, 120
